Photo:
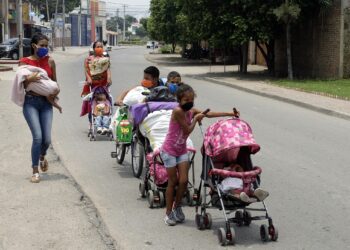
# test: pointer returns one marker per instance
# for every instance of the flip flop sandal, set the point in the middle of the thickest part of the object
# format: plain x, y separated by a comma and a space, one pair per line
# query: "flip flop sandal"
44, 165
35, 178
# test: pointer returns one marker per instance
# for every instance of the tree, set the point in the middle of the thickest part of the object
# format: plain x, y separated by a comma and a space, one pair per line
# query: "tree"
162, 25
227, 24
288, 13
141, 32
40, 6
143, 22
112, 23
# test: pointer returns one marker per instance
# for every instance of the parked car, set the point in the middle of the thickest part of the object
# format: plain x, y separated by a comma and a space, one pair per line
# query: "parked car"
9, 48
151, 44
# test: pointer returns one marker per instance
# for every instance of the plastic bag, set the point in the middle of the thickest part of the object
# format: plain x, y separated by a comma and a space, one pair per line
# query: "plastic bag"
135, 96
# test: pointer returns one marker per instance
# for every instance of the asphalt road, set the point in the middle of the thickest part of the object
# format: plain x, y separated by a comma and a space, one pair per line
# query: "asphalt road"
304, 156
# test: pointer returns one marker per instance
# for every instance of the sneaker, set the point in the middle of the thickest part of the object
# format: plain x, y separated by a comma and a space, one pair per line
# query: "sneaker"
99, 130
170, 219
261, 194
35, 178
244, 197
104, 131
179, 215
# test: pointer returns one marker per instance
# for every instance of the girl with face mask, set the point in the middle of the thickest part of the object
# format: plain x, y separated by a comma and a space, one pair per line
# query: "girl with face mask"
174, 150
37, 109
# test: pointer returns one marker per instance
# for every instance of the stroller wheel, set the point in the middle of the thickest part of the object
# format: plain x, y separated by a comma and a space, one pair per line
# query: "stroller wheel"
273, 232
231, 236
142, 189
222, 236
247, 218
200, 222
161, 199
150, 198
207, 220
264, 233
239, 218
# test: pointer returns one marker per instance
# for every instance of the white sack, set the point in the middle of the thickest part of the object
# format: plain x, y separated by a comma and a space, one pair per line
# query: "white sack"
155, 128
135, 96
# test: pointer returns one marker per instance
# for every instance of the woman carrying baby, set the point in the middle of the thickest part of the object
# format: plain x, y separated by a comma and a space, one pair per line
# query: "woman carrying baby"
37, 108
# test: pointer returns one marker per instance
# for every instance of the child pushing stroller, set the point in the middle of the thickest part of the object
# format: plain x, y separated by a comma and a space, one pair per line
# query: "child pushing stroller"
174, 152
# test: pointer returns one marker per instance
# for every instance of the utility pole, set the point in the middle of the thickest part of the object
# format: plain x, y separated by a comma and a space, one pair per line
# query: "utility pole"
64, 24
117, 26
20, 28
54, 25
124, 23
6, 16
79, 25
47, 11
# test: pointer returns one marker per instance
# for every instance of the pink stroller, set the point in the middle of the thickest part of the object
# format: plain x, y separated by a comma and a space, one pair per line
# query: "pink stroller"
155, 181
228, 142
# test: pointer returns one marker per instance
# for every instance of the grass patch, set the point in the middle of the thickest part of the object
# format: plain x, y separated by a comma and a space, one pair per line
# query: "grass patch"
333, 88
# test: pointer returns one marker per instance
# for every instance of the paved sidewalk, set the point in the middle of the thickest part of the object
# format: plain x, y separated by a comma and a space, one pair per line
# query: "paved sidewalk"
53, 214
255, 82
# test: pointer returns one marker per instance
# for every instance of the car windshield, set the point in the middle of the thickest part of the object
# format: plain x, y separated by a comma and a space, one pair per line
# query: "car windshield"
10, 41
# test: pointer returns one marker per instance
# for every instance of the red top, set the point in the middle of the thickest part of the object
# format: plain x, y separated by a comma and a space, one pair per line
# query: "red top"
40, 63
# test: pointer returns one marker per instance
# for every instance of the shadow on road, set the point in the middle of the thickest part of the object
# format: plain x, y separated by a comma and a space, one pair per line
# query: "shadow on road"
124, 170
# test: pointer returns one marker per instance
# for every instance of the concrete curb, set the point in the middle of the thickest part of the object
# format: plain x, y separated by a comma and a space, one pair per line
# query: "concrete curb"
279, 98
66, 53
5, 68
9, 61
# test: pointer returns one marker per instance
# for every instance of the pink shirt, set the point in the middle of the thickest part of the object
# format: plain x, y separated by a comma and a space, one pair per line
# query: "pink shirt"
175, 140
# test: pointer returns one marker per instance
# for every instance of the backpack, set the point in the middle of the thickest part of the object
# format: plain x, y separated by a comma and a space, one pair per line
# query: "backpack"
160, 94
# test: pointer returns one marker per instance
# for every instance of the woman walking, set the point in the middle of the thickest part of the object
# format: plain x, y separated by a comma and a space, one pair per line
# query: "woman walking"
37, 110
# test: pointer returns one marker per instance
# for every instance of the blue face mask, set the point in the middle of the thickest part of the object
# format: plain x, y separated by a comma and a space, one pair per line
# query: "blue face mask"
173, 88
42, 52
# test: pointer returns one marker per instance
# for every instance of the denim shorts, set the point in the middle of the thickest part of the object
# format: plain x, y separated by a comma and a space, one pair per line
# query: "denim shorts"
171, 161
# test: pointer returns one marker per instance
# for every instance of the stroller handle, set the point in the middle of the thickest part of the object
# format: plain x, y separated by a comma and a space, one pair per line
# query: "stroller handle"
204, 113
192, 150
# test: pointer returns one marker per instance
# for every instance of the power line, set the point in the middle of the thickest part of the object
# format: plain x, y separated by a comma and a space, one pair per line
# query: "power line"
109, 10
109, 2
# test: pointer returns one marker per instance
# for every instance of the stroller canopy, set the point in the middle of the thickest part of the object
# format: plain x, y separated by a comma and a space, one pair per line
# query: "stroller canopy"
228, 136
